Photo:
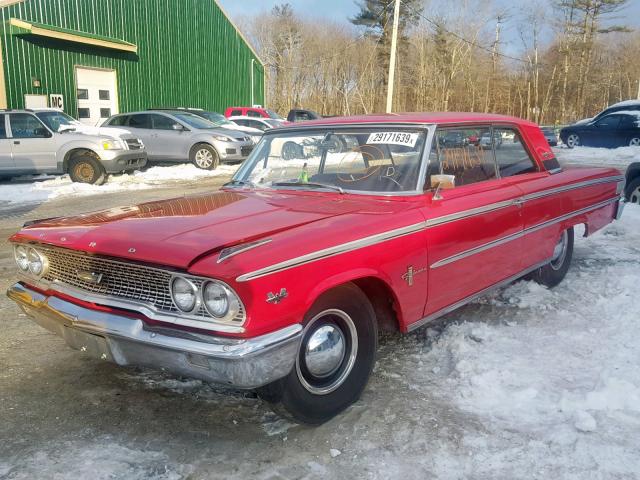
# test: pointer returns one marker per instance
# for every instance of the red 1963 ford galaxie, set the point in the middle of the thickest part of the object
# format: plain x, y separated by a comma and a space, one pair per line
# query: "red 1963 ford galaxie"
330, 231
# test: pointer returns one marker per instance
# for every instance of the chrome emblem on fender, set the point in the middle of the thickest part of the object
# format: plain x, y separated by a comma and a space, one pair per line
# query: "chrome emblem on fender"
89, 277
278, 297
410, 273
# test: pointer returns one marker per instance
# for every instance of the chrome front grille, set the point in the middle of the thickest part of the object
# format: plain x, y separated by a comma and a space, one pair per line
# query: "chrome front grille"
133, 144
131, 282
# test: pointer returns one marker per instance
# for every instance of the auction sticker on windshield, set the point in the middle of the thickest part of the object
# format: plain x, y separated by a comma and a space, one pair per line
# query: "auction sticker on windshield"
394, 138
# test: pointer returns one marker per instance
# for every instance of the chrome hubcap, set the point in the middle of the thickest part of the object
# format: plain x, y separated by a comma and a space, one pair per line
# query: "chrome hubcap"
573, 140
204, 158
325, 351
635, 142
328, 352
560, 251
635, 196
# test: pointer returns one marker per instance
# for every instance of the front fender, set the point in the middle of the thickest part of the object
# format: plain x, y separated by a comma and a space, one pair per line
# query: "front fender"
67, 147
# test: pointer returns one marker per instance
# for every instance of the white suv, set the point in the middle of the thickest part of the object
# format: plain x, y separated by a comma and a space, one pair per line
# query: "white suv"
49, 141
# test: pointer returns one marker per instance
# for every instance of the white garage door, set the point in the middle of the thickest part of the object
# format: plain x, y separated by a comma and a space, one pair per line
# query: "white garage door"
97, 95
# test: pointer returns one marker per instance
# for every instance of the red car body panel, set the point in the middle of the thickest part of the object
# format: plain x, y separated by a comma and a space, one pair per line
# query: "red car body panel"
231, 111
431, 261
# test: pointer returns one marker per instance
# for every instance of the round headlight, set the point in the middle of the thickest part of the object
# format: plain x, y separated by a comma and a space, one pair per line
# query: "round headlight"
216, 299
184, 294
37, 262
22, 259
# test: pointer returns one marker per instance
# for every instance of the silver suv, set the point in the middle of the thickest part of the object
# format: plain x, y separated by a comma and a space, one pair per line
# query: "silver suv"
176, 135
49, 141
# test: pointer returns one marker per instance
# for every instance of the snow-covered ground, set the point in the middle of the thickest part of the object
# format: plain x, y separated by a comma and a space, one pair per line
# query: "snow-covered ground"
46, 188
617, 157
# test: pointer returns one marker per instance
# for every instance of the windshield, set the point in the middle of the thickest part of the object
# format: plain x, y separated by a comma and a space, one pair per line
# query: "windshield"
377, 160
194, 120
217, 119
54, 120
273, 114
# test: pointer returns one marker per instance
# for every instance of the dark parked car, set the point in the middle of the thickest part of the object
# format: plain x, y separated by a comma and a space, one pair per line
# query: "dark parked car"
632, 186
616, 130
454, 139
550, 136
301, 115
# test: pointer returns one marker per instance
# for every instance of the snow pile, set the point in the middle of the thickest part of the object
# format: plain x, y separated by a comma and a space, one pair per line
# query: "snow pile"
62, 186
619, 157
102, 459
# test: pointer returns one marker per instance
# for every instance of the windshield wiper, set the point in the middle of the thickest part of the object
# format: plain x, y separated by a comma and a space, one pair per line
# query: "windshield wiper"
308, 184
234, 183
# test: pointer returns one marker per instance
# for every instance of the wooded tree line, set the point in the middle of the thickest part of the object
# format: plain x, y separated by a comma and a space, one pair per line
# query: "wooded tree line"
550, 61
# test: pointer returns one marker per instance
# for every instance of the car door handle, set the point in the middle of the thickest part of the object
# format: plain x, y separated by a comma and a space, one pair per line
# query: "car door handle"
16, 142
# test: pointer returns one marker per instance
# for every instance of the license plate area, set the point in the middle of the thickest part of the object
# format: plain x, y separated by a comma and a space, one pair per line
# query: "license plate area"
92, 345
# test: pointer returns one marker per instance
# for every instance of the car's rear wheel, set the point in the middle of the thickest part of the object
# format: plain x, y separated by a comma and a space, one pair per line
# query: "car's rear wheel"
634, 142
573, 140
632, 191
554, 272
335, 359
204, 156
87, 169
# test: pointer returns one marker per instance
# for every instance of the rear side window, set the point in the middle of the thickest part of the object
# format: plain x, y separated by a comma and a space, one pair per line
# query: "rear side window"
511, 155
253, 113
235, 113
465, 153
119, 121
141, 120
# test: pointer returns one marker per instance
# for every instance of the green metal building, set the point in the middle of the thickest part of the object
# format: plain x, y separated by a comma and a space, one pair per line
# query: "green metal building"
95, 58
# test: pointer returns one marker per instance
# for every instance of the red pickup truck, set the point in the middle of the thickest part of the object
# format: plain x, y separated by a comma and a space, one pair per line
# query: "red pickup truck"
251, 112
280, 281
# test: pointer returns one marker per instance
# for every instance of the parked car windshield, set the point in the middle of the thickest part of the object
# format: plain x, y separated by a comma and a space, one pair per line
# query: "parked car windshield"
194, 120
375, 160
273, 114
217, 119
54, 120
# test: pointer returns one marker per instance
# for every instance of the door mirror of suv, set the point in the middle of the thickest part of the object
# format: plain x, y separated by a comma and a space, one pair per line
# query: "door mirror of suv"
178, 127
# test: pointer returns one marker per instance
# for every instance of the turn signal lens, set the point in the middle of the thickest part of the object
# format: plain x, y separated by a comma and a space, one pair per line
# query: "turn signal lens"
184, 294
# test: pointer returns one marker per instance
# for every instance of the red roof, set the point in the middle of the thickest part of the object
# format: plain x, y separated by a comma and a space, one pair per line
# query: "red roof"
421, 117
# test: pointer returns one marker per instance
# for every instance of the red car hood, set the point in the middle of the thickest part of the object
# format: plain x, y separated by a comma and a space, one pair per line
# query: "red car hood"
178, 231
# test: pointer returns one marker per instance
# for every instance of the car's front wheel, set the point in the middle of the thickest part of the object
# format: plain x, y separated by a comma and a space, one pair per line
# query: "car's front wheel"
87, 169
634, 142
204, 156
573, 140
335, 359
554, 272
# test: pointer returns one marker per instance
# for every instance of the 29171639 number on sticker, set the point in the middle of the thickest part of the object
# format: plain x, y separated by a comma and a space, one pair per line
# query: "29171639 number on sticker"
394, 138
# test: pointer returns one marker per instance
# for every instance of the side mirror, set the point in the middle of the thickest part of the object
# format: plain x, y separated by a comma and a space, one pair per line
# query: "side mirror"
178, 127
442, 181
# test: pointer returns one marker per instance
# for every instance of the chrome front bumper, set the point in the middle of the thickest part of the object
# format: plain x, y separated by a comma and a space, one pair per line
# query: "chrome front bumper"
245, 364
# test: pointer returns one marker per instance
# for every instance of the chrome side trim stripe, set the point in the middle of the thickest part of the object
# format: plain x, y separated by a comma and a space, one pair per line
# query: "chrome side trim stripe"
471, 298
432, 222
332, 251
514, 236
573, 186
473, 251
